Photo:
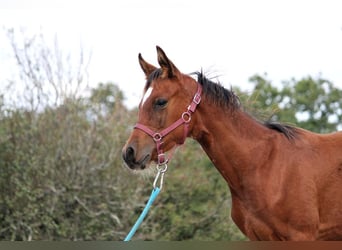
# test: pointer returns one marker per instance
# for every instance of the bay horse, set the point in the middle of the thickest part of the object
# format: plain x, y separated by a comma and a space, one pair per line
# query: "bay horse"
285, 182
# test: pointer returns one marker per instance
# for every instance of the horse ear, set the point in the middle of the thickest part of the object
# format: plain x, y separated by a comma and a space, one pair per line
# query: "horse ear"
145, 66
168, 68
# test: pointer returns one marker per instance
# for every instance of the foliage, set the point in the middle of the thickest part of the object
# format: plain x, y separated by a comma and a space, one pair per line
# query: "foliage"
62, 179
59, 173
313, 104
47, 74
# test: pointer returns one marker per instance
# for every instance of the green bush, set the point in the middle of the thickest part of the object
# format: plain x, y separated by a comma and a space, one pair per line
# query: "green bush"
62, 178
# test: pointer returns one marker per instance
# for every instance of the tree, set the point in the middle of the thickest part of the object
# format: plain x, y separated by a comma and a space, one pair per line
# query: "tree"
60, 172
313, 104
107, 97
47, 75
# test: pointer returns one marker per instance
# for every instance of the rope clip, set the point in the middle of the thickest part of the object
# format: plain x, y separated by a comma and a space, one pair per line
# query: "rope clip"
161, 171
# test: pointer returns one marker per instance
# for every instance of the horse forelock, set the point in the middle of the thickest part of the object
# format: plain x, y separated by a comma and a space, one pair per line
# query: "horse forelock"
153, 76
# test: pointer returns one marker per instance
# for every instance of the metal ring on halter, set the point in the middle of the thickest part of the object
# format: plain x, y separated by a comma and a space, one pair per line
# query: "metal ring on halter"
186, 116
157, 137
162, 160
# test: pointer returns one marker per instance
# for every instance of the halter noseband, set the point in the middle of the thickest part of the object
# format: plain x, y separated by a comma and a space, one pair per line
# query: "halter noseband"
184, 119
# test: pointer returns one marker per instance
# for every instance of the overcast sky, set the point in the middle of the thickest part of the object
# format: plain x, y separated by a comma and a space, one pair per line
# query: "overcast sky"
233, 39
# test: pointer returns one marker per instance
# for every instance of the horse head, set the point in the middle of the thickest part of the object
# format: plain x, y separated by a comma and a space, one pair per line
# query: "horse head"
164, 119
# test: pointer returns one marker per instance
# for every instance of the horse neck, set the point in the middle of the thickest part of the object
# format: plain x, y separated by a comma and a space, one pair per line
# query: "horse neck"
233, 140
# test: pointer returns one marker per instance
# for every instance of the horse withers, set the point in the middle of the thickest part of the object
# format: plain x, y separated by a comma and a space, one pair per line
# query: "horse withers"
285, 182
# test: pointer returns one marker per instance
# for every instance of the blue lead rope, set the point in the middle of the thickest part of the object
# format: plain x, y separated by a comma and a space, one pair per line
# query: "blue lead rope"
160, 176
153, 196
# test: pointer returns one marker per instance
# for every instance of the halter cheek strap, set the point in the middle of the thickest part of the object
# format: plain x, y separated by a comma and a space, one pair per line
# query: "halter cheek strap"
184, 119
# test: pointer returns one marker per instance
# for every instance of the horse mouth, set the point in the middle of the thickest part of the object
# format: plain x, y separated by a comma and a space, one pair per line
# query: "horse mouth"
138, 165
145, 161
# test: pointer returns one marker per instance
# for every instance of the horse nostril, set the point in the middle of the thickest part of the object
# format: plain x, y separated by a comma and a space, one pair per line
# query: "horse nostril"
130, 153
129, 156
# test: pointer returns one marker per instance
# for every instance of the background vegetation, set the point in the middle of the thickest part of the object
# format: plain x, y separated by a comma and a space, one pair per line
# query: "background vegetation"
61, 173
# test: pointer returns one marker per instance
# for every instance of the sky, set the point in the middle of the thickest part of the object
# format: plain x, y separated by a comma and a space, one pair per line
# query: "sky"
231, 39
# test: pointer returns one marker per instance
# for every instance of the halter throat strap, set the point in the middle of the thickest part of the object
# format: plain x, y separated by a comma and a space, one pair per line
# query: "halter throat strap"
184, 119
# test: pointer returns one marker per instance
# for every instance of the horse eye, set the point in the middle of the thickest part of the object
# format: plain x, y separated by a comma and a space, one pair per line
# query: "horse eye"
160, 103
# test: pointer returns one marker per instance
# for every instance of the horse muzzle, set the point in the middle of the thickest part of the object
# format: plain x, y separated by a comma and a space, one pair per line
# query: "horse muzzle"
129, 155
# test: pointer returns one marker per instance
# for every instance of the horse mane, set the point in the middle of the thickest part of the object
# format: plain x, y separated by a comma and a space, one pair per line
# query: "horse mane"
217, 93
289, 131
223, 97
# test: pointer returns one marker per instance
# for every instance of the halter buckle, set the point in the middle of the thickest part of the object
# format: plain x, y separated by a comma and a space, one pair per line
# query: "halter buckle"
197, 98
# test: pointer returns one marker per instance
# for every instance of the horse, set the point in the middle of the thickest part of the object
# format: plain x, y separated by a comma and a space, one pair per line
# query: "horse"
285, 182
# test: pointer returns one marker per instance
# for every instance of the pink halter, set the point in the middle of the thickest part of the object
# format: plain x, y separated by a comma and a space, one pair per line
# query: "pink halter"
184, 119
